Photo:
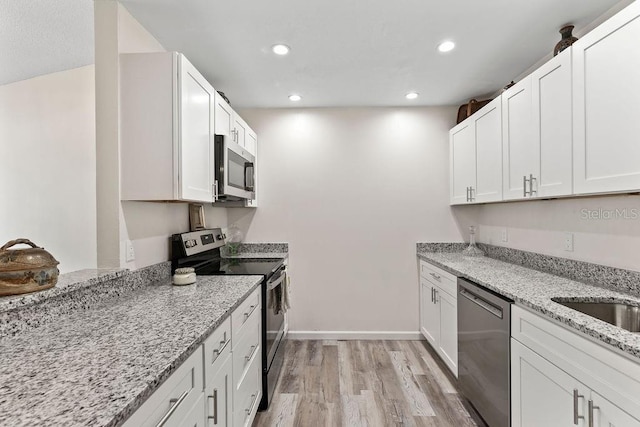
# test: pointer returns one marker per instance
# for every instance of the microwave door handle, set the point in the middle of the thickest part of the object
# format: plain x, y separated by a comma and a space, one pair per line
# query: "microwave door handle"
248, 176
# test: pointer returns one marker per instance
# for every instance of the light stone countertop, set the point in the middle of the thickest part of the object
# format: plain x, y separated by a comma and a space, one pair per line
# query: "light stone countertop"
96, 366
534, 289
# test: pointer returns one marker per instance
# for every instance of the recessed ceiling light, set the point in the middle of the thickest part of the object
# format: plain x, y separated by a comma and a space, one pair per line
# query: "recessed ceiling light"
412, 95
280, 49
295, 98
446, 46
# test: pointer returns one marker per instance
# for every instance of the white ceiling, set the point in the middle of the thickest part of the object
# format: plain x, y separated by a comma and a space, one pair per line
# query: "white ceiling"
44, 36
361, 52
344, 52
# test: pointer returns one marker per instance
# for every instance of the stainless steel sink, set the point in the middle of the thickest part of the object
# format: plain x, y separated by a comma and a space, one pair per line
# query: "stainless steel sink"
624, 316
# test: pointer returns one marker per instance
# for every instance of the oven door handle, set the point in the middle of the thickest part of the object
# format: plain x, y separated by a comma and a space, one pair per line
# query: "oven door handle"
277, 282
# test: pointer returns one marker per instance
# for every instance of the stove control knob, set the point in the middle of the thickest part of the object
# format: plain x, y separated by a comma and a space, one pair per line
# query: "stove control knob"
190, 243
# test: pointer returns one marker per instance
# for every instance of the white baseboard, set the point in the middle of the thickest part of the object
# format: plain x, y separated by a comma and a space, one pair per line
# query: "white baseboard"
355, 335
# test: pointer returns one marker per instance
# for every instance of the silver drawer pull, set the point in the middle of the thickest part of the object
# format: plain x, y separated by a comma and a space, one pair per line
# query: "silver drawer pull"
254, 400
250, 355
174, 405
591, 408
218, 351
251, 309
215, 407
576, 396
435, 276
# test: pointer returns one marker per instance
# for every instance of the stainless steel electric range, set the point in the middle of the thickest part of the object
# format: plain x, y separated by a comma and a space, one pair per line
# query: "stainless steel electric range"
201, 251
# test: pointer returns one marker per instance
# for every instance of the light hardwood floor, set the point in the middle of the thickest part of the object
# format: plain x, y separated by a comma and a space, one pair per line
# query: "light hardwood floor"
364, 383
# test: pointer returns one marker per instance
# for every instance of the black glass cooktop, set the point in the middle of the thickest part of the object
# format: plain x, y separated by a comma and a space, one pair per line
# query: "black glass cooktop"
225, 266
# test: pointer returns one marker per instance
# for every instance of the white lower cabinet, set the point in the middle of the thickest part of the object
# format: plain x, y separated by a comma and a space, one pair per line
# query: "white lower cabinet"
559, 378
220, 384
439, 313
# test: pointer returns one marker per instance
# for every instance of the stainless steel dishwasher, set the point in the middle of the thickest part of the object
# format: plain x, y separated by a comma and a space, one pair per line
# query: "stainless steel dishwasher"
484, 329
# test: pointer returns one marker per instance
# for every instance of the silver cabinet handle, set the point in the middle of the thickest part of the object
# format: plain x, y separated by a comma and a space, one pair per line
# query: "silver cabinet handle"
435, 295
251, 309
250, 355
215, 407
524, 186
432, 297
218, 351
254, 399
471, 190
532, 179
591, 408
215, 190
576, 417
174, 405
435, 276
467, 194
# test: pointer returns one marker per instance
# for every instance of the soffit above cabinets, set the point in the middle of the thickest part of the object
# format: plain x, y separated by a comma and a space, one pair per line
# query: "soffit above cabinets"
354, 53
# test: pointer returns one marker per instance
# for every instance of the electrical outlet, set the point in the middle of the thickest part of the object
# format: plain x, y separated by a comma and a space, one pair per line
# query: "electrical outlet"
504, 236
568, 242
130, 253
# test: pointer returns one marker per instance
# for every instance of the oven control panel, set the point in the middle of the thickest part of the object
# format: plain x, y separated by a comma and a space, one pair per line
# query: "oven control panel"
199, 241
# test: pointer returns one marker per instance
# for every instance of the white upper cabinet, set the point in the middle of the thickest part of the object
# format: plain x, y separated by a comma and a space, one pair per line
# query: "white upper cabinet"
520, 157
224, 116
488, 135
229, 123
462, 162
475, 158
606, 92
552, 126
167, 129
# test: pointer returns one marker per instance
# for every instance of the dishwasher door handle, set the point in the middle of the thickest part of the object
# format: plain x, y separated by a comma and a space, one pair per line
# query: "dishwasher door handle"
481, 302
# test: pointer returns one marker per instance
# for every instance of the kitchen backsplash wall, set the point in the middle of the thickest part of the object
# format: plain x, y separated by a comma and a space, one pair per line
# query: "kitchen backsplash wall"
352, 191
48, 165
605, 230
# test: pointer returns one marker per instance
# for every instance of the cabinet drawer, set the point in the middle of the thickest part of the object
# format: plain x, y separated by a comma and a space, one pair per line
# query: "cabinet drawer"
216, 349
195, 417
246, 350
173, 399
249, 309
445, 281
247, 397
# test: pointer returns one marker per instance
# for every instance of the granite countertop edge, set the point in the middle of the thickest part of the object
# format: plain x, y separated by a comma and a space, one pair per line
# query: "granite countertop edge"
534, 290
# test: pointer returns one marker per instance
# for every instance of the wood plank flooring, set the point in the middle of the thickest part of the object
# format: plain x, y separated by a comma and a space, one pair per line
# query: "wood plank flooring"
364, 383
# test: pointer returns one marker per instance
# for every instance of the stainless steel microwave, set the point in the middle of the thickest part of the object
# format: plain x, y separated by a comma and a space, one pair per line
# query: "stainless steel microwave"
234, 171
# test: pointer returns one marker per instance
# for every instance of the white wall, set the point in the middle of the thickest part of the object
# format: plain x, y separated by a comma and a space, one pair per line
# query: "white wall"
352, 191
147, 225
48, 165
606, 229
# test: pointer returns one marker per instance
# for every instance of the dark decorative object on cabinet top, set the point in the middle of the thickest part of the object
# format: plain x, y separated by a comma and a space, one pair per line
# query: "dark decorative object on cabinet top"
567, 39
469, 108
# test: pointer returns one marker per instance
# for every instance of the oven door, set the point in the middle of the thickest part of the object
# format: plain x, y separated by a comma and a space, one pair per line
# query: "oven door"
235, 170
274, 324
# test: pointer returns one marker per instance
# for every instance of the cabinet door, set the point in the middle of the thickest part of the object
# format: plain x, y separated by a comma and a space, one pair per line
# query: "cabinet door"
224, 116
541, 393
429, 314
462, 161
448, 347
552, 127
220, 397
607, 414
606, 89
251, 141
240, 128
488, 134
520, 156
197, 100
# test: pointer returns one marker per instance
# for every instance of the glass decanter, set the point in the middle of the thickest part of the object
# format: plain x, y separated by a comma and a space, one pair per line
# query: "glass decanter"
472, 249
